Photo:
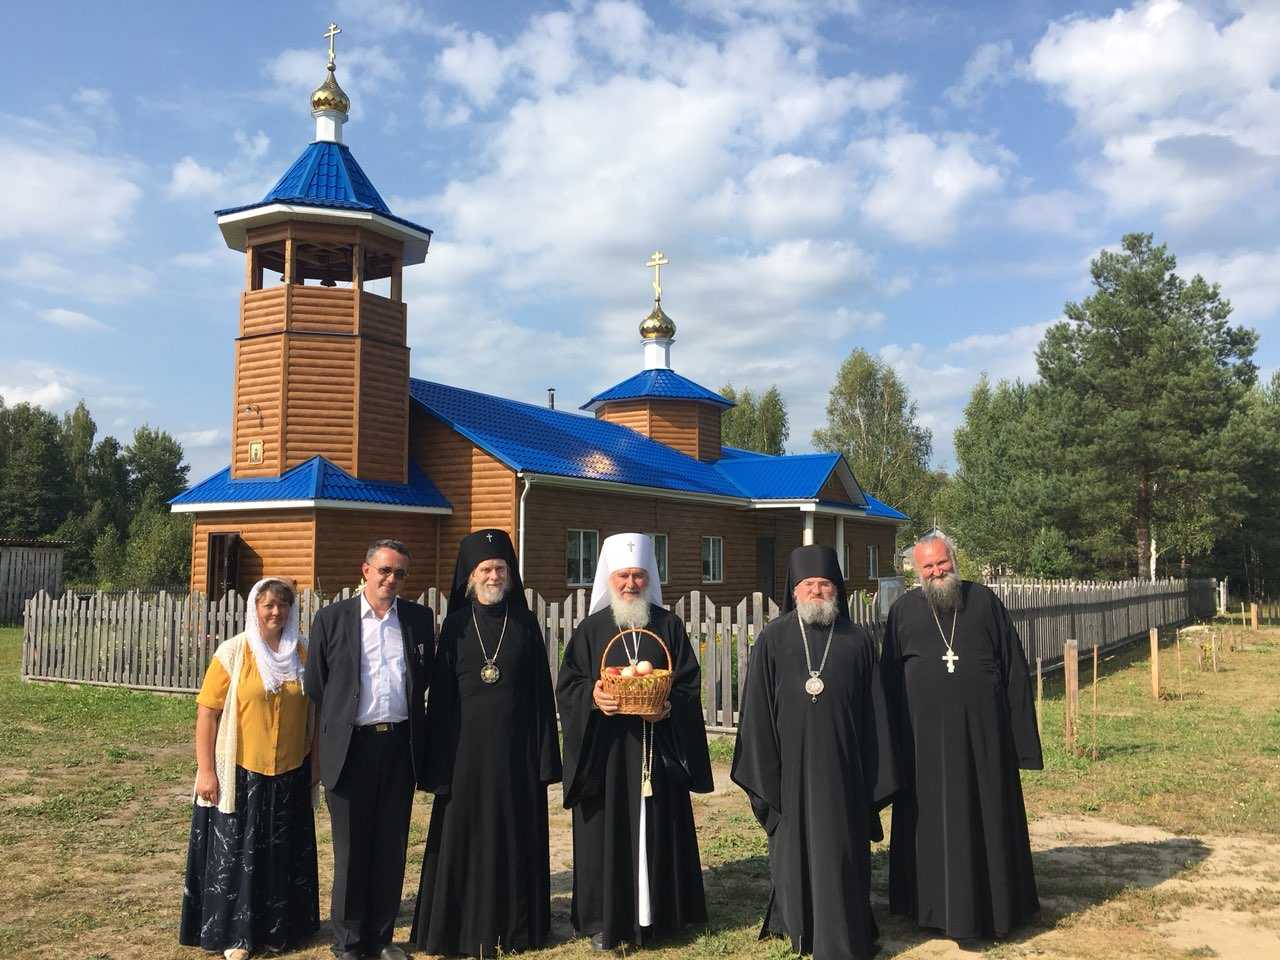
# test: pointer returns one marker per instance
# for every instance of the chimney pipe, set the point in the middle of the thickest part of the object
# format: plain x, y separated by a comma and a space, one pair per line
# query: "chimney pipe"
551, 398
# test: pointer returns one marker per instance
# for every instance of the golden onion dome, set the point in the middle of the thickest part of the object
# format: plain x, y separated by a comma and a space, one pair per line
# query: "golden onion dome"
330, 96
657, 325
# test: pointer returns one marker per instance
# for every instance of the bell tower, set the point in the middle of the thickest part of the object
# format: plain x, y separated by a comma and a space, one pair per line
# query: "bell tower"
321, 356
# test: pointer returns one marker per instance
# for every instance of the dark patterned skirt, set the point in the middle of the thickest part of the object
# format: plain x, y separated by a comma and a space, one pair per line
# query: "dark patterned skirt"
251, 875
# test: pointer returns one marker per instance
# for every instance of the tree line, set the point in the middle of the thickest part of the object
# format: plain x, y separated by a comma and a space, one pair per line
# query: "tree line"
59, 481
1146, 446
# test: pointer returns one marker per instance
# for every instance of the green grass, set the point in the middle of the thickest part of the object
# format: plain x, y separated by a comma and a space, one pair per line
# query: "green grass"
95, 805
1204, 762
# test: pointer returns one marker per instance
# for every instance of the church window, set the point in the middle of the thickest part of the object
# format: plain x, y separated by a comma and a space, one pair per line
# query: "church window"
660, 554
873, 561
581, 549
712, 559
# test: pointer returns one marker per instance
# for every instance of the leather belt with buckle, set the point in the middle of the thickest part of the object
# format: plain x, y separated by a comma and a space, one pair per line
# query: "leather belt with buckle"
377, 727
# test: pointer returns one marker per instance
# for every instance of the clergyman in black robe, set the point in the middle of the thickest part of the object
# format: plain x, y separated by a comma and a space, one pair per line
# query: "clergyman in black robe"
486, 873
816, 764
957, 683
636, 870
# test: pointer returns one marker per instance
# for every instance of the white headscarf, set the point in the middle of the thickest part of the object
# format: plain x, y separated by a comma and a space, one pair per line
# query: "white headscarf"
274, 666
620, 552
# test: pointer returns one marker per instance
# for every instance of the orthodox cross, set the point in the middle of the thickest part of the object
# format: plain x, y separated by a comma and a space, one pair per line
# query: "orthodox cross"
657, 261
489, 537
951, 658
332, 32
631, 547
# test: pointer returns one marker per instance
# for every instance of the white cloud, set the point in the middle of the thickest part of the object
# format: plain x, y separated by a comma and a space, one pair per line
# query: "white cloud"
244, 172
362, 71
1185, 109
57, 193
71, 319
1055, 212
203, 439
923, 183
940, 379
991, 64
97, 282
1250, 279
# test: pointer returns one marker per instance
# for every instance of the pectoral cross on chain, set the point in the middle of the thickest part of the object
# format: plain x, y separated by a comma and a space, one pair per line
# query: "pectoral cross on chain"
951, 659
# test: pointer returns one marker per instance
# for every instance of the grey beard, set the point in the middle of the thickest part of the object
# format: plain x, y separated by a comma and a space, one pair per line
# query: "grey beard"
818, 613
486, 593
944, 592
630, 614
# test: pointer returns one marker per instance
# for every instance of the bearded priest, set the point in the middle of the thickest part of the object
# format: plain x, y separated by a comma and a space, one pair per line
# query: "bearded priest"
957, 683
491, 718
627, 779
814, 757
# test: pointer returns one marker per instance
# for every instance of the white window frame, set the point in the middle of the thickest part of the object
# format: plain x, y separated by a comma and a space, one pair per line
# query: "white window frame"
661, 554
584, 555
873, 561
716, 559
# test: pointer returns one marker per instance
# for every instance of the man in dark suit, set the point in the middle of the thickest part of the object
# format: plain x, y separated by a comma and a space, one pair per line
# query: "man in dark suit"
367, 672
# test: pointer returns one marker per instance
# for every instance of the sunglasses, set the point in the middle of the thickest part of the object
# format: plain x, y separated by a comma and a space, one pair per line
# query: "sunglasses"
398, 572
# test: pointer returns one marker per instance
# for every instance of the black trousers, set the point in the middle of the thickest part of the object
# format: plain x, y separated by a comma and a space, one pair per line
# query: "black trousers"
369, 812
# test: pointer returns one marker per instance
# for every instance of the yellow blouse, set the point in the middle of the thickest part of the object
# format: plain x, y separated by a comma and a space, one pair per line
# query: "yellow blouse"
272, 738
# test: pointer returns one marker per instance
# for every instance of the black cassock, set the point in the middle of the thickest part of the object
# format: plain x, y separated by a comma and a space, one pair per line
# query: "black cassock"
959, 857
602, 762
486, 871
816, 773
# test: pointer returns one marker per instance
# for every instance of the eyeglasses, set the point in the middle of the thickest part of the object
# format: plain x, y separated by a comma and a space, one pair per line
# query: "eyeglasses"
398, 572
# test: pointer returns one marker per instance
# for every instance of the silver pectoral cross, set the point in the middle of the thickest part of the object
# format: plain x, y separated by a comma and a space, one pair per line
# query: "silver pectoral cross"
951, 659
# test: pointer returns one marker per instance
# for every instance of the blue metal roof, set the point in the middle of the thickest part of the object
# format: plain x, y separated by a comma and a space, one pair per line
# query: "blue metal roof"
327, 175
315, 479
765, 477
537, 439
878, 508
663, 383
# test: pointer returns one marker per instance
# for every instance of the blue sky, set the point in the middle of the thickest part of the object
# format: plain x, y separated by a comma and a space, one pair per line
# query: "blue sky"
925, 181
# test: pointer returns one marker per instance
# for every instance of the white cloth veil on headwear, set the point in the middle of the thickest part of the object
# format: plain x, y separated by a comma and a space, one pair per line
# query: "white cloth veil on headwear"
275, 667
619, 552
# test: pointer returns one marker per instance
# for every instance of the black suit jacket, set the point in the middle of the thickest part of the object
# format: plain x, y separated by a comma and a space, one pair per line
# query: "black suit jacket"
332, 679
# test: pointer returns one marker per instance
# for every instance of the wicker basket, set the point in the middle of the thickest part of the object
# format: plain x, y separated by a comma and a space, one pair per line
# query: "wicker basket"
638, 696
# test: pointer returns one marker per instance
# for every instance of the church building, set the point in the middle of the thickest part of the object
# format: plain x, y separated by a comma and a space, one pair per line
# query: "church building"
334, 444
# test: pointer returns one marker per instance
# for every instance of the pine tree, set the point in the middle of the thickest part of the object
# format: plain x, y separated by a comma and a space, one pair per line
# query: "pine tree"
1151, 372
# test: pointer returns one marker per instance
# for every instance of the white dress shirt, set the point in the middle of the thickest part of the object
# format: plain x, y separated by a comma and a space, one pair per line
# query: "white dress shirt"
382, 667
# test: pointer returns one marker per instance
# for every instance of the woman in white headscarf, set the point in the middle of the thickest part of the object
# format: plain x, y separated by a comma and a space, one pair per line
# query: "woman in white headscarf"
251, 861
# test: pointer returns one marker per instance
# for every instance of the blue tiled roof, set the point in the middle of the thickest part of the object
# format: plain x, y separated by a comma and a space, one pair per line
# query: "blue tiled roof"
327, 175
537, 439
663, 383
316, 479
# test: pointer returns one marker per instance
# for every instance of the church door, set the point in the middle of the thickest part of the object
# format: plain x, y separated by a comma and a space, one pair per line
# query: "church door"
224, 564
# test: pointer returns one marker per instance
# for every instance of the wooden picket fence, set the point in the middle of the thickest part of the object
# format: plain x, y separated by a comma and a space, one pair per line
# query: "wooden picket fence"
163, 641
25, 568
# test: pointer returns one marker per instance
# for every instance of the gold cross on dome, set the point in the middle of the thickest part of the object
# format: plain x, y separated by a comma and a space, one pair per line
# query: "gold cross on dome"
332, 32
657, 261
